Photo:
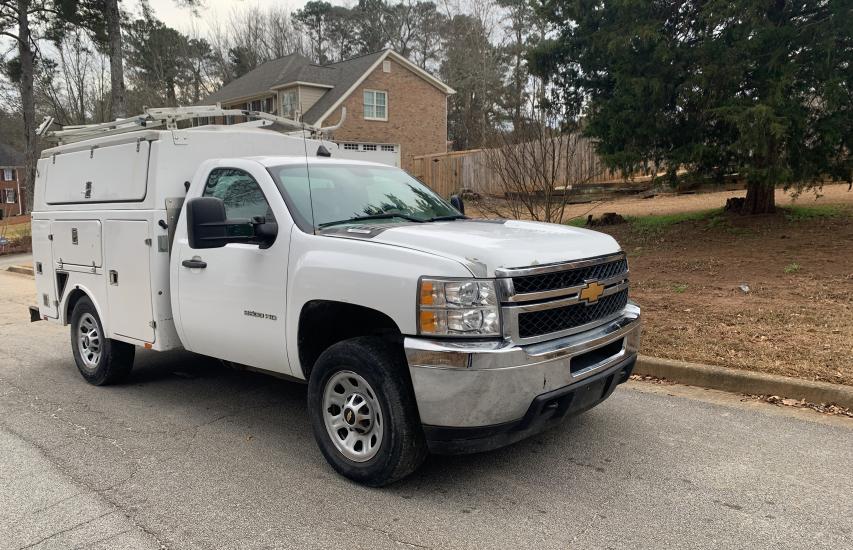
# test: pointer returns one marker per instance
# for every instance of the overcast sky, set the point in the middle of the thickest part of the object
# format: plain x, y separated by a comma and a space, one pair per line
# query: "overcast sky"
181, 19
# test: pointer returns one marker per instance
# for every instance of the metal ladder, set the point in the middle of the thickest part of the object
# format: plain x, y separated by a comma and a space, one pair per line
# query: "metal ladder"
168, 118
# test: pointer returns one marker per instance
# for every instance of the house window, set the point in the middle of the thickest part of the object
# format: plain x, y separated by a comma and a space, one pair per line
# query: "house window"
375, 105
351, 146
10, 196
388, 148
7, 174
386, 66
368, 147
289, 104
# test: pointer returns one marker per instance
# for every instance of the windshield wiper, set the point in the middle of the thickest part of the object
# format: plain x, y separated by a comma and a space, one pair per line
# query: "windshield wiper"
447, 218
384, 216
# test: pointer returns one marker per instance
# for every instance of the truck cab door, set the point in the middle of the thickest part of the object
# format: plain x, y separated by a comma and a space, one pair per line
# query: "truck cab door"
231, 300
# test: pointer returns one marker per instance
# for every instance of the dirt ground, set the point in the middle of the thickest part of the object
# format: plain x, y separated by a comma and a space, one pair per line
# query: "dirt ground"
672, 203
796, 319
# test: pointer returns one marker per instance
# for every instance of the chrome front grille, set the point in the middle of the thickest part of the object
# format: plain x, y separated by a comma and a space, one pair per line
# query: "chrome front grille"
529, 284
555, 300
546, 321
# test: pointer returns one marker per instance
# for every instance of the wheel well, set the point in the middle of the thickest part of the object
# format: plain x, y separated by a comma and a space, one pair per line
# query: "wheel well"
323, 323
73, 298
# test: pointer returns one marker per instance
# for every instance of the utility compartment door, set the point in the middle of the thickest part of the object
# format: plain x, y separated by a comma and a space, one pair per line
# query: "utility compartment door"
77, 242
128, 273
44, 269
116, 173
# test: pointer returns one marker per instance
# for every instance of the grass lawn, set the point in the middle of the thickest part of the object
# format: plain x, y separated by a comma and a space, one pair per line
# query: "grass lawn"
14, 230
796, 319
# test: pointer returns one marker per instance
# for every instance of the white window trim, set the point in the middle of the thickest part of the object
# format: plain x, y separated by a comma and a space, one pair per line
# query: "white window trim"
7, 174
385, 118
297, 107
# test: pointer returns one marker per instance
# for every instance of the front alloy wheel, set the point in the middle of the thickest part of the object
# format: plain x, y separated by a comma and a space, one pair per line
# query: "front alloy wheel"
353, 416
363, 411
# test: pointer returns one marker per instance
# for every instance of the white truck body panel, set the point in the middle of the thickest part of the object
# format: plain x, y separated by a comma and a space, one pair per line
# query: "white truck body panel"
77, 242
43, 268
129, 279
132, 177
235, 308
107, 173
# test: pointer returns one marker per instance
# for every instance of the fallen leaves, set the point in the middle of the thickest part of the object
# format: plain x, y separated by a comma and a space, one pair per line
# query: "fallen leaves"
824, 408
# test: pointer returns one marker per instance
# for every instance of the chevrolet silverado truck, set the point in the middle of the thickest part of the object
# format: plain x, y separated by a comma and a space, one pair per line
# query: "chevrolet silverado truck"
416, 328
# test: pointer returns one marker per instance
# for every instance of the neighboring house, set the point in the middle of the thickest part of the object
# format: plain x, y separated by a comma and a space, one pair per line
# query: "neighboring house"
391, 103
12, 200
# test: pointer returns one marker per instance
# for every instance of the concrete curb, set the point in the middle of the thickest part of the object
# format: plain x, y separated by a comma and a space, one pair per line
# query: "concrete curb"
742, 381
22, 269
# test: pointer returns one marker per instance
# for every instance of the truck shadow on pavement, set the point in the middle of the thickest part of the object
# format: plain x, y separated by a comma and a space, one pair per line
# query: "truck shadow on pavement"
268, 411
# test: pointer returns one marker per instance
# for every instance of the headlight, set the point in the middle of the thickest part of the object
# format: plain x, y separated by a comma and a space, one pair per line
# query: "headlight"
458, 307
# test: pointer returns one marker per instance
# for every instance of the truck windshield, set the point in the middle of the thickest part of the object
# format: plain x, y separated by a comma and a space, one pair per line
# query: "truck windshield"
351, 193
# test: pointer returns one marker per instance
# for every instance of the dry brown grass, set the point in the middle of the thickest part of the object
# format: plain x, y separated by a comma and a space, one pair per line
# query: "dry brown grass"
672, 203
795, 320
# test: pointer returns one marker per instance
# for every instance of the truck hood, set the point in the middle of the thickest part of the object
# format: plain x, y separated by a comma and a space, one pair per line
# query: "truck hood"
487, 245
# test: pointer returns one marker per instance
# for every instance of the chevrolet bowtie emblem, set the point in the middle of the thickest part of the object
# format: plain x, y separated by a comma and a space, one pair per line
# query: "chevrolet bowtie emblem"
592, 292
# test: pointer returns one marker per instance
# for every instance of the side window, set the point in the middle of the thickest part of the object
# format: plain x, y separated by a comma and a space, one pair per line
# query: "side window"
240, 192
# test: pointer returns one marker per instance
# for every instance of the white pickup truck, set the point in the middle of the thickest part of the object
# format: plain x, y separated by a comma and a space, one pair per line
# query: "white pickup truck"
416, 328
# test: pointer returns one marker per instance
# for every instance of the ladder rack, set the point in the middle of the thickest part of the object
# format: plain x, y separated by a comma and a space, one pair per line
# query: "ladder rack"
168, 118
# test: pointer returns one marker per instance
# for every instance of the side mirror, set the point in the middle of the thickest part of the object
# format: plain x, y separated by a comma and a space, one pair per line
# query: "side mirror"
206, 222
208, 226
458, 204
265, 232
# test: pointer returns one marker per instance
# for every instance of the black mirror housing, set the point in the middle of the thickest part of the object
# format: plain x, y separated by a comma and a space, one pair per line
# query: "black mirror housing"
458, 203
265, 234
208, 226
206, 222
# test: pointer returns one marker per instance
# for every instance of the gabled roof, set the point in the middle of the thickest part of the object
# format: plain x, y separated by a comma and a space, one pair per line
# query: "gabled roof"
341, 78
266, 76
10, 156
349, 72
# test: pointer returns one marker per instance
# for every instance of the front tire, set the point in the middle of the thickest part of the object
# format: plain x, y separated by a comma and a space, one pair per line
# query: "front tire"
363, 412
99, 359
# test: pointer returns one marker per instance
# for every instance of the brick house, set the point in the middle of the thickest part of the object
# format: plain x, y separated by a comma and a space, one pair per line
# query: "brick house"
12, 200
391, 103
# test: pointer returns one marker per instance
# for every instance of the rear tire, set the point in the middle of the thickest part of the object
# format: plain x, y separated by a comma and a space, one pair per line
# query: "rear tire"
100, 360
363, 412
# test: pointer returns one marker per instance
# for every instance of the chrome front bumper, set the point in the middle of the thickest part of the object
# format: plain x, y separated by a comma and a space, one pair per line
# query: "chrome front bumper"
479, 384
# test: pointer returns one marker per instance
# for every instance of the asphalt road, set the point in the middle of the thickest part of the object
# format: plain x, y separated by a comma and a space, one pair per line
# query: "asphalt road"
190, 454
15, 259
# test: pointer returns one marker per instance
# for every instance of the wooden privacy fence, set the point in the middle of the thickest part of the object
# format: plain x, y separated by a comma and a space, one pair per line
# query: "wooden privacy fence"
448, 173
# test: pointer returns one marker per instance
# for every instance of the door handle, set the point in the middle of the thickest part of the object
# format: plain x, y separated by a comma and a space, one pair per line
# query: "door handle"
194, 264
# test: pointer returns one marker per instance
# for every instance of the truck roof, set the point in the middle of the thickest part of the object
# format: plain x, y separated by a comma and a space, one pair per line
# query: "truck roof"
279, 160
226, 132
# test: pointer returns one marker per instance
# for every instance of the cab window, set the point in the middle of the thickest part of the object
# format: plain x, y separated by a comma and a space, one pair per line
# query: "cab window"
240, 192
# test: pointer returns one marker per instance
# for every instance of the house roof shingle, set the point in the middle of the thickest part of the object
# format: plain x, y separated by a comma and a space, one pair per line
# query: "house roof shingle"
290, 68
339, 76
347, 72
9, 156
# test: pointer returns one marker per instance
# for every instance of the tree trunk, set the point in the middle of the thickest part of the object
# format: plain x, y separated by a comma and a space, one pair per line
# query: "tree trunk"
28, 102
760, 199
118, 92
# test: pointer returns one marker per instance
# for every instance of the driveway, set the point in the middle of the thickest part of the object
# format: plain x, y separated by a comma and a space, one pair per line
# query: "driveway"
15, 259
190, 454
